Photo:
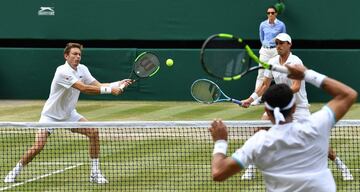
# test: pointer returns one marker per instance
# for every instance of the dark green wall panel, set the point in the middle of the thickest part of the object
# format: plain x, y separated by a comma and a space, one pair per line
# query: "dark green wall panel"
174, 20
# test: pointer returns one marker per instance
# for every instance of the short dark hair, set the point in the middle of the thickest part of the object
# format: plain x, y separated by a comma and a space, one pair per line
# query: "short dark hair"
279, 95
70, 45
272, 7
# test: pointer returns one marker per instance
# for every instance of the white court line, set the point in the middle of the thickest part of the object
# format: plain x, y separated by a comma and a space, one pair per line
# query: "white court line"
41, 176
54, 163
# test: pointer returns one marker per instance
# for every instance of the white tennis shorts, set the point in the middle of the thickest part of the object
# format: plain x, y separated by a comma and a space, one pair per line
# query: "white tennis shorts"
74, 117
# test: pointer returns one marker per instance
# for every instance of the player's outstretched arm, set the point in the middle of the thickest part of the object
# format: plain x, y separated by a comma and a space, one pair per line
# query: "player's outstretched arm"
96, 88
222, 167
125, 83
122, 83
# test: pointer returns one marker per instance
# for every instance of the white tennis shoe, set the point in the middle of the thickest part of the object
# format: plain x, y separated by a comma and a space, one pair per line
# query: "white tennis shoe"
10, 178
98, 178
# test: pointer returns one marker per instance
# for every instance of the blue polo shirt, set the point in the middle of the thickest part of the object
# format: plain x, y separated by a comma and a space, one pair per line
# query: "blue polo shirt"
269, 31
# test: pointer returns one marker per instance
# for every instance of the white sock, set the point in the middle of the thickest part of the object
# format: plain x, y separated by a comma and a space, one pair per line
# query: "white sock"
19, 166
95, 164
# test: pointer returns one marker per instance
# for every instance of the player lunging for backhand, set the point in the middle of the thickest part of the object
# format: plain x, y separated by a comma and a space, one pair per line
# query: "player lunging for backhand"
283, 46
69, 80
292, 155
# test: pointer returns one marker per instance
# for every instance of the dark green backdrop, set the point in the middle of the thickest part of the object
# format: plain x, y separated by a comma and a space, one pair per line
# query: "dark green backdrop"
174, 19
27, 73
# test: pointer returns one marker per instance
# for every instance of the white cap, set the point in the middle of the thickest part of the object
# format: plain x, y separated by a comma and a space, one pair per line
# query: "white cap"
283, 37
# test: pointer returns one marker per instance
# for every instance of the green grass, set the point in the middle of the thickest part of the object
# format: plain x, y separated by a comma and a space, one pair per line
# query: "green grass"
146, 111
144, 163
152, 164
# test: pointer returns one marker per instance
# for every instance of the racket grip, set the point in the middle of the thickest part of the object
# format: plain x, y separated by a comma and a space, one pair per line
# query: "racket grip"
236, 101
280, 69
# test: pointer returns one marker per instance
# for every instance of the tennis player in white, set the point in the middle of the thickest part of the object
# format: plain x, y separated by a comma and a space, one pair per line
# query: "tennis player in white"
292, 155
69, 80
283, 46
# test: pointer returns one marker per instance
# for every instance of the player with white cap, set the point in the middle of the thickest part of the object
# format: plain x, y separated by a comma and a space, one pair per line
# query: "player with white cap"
285, 57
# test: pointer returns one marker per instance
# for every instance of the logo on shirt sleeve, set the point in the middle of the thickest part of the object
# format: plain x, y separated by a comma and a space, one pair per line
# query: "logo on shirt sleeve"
68, 77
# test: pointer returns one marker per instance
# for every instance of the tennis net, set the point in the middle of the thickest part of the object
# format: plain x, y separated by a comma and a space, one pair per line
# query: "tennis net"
146, 156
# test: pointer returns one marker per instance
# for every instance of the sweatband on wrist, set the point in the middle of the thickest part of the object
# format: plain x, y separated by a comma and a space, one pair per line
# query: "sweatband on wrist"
105, 90
254, 96
314, 78
115, 84
220, 146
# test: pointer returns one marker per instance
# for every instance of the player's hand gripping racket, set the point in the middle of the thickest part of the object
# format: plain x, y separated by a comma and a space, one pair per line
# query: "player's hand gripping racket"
206, 91
227, 57
145, 65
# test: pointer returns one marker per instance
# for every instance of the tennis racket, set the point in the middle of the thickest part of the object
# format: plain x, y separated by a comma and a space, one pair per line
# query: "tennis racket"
145, 65
206, 91
227, 57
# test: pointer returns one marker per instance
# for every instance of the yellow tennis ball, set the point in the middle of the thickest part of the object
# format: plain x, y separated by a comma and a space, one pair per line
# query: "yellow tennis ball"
169, 62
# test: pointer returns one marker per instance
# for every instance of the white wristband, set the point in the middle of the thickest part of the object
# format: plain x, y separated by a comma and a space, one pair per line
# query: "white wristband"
254, 96
220, 147
105, 90
115, 84
314, 78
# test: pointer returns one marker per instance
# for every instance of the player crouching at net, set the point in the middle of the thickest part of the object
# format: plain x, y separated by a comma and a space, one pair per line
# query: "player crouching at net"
70, 79
283, 46
291, 155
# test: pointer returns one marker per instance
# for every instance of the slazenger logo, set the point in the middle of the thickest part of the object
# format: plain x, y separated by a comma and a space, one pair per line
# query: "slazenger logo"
46, 11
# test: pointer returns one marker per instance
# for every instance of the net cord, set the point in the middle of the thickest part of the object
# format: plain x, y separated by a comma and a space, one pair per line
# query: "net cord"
152, 124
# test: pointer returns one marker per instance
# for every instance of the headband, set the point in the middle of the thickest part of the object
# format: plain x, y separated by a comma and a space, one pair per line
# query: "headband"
277, 114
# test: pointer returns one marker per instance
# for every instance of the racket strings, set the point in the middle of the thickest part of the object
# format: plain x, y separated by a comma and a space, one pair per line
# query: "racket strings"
225, 57
146, 65
213, 93
205, 91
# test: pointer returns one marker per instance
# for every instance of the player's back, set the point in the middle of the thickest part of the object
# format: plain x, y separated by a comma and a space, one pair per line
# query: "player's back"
293, 156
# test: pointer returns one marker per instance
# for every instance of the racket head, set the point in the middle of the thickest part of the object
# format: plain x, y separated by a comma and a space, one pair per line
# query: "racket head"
225, 57
205, 91
146, 64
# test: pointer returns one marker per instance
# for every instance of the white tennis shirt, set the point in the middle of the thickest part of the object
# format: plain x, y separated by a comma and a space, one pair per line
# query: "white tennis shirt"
301, 96
63, 98
293, 156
